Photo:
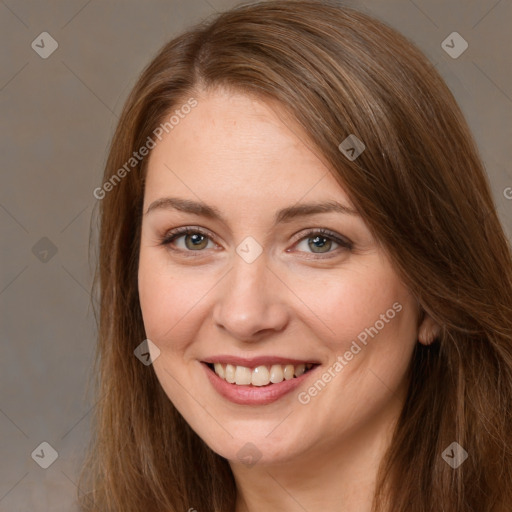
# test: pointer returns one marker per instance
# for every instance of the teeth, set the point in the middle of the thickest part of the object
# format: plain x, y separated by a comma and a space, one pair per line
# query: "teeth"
219, 370
288, 371
230, 373
242, 376
276, 373
299, 370
261, 375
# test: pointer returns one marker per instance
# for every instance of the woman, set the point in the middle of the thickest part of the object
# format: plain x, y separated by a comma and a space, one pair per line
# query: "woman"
297, 232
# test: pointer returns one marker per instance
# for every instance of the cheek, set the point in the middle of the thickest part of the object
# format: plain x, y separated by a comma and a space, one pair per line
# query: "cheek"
358, 304
378, 327
159, 296
172, 299
373, 319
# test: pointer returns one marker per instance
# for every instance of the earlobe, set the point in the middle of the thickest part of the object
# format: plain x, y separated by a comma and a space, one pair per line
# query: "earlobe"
428, 330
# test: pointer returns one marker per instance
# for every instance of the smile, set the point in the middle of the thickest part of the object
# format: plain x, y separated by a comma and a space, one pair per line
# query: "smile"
258, 381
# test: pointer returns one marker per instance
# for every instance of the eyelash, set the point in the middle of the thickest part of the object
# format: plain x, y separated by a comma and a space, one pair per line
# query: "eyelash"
172, 235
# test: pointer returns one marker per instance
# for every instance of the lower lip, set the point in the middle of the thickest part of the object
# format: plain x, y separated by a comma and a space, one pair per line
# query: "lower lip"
254, 395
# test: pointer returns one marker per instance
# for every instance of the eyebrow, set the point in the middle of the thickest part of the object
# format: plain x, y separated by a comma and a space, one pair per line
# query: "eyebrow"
282, 216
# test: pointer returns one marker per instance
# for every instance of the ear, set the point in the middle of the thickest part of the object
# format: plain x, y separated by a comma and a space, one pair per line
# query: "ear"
428, 330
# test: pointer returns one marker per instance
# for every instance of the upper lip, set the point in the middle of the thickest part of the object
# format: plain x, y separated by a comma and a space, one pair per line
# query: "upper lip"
253, 362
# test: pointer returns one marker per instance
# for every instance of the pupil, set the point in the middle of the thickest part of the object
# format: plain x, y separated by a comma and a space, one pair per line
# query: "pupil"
196, 239
319, 239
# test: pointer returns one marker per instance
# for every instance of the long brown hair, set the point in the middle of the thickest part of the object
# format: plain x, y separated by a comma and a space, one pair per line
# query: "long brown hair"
422, 190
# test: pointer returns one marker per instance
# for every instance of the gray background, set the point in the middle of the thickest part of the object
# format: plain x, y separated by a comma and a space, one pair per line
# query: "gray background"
58, 115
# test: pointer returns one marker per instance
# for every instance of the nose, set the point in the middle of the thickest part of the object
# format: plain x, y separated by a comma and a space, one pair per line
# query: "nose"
250, 301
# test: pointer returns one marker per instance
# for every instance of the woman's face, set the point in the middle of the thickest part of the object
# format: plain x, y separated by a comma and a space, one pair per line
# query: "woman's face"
260, 289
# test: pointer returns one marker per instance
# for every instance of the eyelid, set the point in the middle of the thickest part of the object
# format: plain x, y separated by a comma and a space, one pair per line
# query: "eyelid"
327, 233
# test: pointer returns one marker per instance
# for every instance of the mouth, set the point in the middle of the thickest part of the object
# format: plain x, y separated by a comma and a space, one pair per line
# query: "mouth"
263, 375
258, 380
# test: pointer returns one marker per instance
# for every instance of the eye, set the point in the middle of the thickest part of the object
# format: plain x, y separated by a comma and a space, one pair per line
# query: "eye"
194, 239
320, 241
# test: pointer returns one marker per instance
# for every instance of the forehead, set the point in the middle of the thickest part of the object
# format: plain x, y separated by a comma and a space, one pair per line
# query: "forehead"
233, 144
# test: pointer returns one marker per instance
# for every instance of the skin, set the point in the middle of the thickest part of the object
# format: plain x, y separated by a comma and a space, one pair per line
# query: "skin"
235, 153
